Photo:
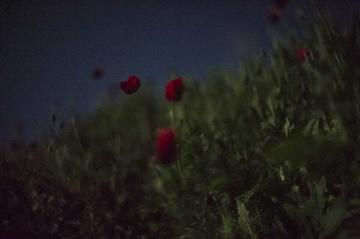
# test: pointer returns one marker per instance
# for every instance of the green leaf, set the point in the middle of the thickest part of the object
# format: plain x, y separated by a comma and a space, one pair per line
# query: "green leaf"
244, 219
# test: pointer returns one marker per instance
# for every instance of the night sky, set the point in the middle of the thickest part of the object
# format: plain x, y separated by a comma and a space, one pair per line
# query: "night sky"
49, 48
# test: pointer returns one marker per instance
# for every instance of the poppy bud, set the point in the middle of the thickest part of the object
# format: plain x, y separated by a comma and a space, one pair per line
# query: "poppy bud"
165, 146
131, 85
174, 89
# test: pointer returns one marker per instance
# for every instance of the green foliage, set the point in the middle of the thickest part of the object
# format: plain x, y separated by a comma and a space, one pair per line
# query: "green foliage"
271, 151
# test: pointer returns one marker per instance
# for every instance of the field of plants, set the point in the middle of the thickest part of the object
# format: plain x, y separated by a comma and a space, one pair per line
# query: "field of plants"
268, 151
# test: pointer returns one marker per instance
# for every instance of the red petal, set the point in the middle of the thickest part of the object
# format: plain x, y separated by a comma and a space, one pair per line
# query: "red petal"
134, 81
131, 85
174, 89
166, 145
124, 86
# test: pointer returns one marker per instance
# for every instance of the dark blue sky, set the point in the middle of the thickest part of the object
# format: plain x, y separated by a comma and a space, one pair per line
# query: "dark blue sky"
49, 48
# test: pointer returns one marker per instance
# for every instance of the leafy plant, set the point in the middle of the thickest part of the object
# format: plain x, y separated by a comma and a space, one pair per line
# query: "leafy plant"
270, 151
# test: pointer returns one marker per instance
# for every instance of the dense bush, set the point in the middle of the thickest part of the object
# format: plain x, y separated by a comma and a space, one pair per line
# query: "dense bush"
271, 151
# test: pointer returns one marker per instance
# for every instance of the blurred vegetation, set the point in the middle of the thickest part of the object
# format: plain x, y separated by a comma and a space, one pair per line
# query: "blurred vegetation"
270, 151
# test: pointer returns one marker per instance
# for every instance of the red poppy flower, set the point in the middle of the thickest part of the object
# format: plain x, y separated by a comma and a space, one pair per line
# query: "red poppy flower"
131, 85
302, 54
98, 73
165, 146
274, 15
174, 89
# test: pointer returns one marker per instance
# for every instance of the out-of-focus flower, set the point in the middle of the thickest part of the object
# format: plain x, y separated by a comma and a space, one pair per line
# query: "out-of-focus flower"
98, 73
165, 146
131, 85
174, 89
302, 53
